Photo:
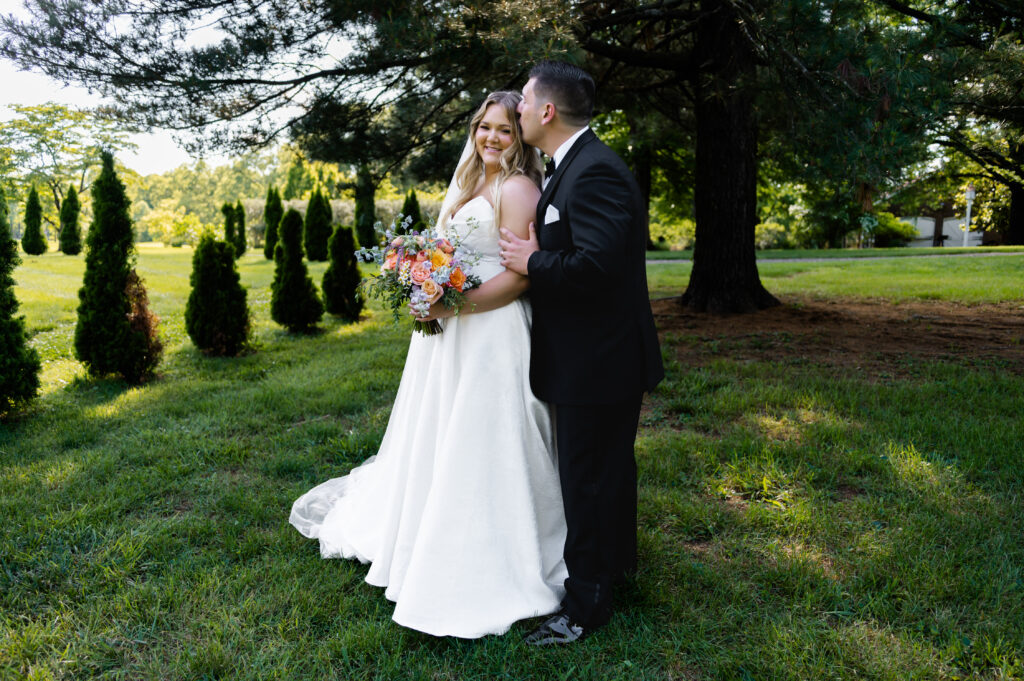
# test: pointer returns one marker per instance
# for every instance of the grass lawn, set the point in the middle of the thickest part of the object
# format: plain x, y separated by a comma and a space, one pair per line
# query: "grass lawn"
795, 522
818, 253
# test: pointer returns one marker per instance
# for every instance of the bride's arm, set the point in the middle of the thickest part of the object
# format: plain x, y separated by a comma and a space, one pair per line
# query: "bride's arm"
519, 198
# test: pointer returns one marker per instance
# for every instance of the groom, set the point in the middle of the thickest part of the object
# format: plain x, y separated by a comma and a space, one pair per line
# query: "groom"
594, 346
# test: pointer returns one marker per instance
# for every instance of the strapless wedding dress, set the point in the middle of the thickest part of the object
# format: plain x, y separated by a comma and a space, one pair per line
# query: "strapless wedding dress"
460, 512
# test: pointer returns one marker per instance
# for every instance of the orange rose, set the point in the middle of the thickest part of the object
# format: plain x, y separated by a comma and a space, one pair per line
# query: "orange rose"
420, 272
458, 279
390, 261
432, 290
439, 259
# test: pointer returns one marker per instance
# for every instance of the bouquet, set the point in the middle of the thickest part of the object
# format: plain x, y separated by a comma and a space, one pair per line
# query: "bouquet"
419, 269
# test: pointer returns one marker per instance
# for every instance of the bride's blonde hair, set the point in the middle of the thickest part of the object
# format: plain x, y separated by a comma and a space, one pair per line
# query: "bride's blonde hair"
518, 158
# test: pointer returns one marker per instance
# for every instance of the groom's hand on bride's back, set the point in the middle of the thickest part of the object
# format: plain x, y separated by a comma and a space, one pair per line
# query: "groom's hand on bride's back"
516, 252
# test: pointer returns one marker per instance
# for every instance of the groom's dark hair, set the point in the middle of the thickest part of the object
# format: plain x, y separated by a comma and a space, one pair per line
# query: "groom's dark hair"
568, 87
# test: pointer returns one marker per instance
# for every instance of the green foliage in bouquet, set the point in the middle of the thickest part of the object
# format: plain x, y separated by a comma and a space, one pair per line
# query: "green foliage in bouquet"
294, 303
115, 331
272, 212
70, 234
216, 314
32, 240
317, 229
239, 242
19, 364
342, 297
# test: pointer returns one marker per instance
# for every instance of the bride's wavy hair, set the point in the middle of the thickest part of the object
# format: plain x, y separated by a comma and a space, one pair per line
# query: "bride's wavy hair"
518, 158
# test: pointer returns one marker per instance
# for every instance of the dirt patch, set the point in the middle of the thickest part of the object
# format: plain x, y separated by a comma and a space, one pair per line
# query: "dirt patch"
878, 338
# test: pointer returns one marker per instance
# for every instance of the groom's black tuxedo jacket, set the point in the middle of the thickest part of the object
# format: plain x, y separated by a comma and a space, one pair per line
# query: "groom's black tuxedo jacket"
594, 340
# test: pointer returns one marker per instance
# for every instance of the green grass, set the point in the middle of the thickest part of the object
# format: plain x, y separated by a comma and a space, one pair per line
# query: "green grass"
957, 279
818, 253
794, 523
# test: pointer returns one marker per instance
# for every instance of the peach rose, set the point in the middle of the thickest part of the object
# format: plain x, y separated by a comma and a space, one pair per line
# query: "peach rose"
390, 261
439, 259
446, 246
421, 256
458, 278
398, 241
420, 272
432, 290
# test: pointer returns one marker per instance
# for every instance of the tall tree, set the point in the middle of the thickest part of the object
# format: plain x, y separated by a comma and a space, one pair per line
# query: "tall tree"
317, 227
240, 240
115, 333
19, 363
228, 211
272, 212
33, 240
70, 234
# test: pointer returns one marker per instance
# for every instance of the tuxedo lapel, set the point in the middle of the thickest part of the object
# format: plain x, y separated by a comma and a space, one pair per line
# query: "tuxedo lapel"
549, 190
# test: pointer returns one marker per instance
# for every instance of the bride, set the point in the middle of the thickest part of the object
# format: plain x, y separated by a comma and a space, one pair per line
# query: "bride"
460, 512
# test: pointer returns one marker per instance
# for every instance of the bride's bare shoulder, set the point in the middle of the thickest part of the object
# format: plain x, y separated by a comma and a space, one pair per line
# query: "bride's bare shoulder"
519, 188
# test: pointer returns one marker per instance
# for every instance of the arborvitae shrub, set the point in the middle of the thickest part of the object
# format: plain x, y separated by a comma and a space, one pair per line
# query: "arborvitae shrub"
32, 240
70, 235
229, 224
115, 332
342, 297
317, 228
216, 315
239, 241
294, 302
365, 218
272, 212
145, 348
411, 209
19, 364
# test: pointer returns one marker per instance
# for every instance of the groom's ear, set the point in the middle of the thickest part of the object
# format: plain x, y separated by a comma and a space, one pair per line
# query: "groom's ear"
549, 113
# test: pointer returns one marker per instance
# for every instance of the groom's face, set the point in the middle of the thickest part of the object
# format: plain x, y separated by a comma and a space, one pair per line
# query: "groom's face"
530, 114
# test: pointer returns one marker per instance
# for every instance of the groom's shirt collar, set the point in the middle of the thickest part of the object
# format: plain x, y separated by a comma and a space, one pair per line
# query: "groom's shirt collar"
561, 151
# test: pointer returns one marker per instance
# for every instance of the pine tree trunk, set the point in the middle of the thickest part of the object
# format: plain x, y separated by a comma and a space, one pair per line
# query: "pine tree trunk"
724, 277
1015, 233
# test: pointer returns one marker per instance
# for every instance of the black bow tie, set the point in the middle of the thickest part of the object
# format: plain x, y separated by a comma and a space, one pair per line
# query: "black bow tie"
549, 168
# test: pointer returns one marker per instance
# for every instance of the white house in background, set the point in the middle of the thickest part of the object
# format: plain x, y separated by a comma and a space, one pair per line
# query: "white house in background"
952, 228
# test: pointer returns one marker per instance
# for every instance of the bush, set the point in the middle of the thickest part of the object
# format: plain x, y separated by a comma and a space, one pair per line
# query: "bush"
672, 235
115, 332
294, 302
890, 231
145, 349
19, 363
342, 297
364, 214
411, 209
770, 235
272, 212
239, 242
229, 224
32, 239
317, 228
70, 235
216, 315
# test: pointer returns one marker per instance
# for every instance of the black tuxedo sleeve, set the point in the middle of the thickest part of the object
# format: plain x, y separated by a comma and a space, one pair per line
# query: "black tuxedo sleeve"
599, 214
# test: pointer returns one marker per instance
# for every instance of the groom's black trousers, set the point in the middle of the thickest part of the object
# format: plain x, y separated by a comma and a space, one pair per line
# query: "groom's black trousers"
598, 476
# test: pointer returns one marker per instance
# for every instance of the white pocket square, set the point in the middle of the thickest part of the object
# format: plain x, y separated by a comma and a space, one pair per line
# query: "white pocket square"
551, 214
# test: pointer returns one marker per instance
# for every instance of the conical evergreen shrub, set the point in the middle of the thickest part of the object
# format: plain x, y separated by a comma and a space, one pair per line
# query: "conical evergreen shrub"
240, 241
229, 224
70, 235
216, 315
115, 332
411, 209
294, 302
19, 363
317, 229
272, 212
365, 219
33, 240
342, 297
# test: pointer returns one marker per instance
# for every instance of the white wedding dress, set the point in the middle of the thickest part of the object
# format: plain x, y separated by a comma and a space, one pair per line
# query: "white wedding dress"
460, 512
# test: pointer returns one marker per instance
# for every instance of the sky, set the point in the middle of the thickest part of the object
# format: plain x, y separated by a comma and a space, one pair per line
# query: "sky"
157, 151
